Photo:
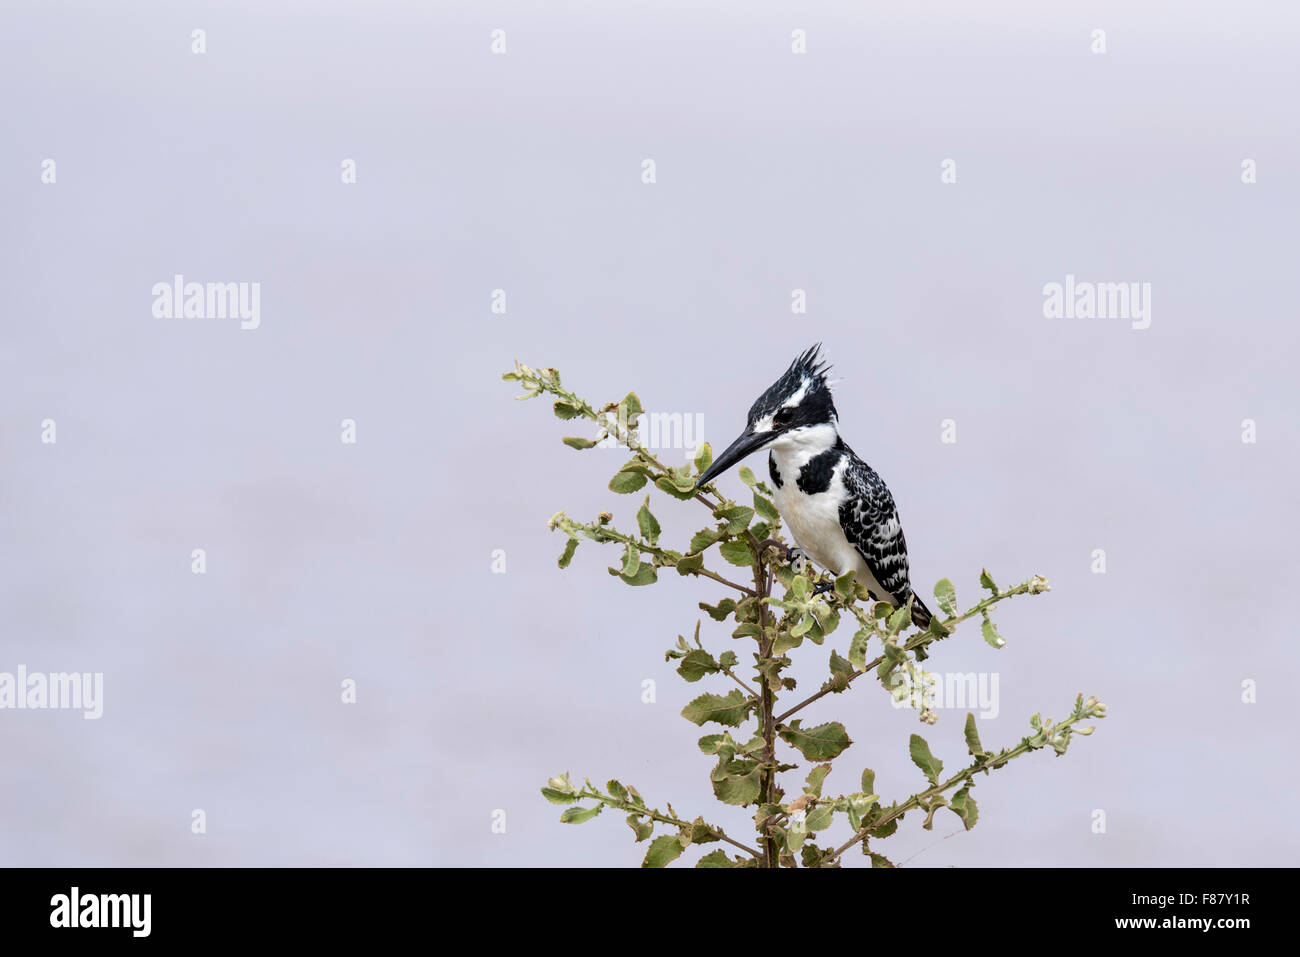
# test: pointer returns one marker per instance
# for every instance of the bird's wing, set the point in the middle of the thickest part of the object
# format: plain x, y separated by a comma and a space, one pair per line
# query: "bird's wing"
870, 520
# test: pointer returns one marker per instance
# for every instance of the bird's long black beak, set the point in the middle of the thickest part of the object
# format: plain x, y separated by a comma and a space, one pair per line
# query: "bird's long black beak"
737, 450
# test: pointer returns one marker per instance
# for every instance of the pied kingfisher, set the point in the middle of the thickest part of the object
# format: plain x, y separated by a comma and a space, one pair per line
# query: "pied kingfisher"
837, 508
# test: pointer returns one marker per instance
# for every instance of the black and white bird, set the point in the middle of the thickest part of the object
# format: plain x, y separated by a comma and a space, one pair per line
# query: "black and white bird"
837, 508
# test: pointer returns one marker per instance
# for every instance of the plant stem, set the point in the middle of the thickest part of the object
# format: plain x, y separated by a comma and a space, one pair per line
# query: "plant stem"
766, 704
662, 818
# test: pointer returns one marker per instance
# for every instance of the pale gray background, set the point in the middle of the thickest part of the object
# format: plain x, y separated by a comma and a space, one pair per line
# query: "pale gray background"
523, 172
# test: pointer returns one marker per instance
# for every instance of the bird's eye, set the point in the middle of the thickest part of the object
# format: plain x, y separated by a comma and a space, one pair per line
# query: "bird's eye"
783, 417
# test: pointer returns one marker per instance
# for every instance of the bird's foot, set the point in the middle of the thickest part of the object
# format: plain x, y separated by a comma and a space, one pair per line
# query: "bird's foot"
822, 587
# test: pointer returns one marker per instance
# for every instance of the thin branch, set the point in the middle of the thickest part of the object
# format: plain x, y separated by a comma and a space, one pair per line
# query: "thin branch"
654, 815
920, 640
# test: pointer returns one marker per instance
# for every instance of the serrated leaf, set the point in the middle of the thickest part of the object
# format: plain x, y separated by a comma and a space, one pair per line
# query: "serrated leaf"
630, 407
648, 524
816, 776
617, 790
624, 483
737, 518
900, 619
973, 736
931, 766
704, 538
566, 556
729, 709
946, 596
696, 665
563, 410
663, 851
986, 581
765, 508
858, 648
738, 789
965, 808
821, 743
991, 635
715, 859
737, 552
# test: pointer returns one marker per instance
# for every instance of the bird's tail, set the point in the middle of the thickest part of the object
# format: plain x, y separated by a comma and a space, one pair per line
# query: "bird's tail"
920, 614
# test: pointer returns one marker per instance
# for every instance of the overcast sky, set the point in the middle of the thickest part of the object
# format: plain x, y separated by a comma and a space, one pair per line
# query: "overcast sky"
774, 171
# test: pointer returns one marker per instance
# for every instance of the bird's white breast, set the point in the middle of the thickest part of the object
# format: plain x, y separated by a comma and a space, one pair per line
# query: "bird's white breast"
814, 520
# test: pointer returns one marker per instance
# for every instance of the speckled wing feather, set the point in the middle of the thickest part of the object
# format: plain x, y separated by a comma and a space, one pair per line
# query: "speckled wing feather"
870, 521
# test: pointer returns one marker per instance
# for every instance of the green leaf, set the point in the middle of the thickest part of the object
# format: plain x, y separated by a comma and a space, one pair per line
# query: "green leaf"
964, 806
737, 552
721, 610
820, 817
617, 790
900, 619
703, 457
704, 538
559, 797
642, 828
696, 665
575, 442
868, 781
648, 524
715, 859
631, 561
991, 633
727, 659
682, 495
577, 815
646, 574
566, 556
822, 743
663, 851
728, 710
738, 789
689, 564
844, 585
858, 648
747, 475
765, 508
986, 580
796, 831
815, 778
931, 766
563, 410
946, 596
737, 518
973, 736
626, 482
630, 406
